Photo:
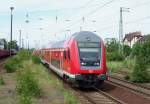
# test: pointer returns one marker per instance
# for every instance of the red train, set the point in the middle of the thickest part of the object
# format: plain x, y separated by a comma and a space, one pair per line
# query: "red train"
6, 53
79, 60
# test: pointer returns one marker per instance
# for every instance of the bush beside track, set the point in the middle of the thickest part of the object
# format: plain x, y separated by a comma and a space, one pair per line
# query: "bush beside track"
135, 61
31, 79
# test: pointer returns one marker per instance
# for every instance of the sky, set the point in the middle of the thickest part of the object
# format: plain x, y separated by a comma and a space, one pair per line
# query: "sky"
100, 16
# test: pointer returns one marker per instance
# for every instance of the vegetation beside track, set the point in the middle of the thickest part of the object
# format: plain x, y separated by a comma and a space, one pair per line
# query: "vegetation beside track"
135, 61
34, 83
2, 81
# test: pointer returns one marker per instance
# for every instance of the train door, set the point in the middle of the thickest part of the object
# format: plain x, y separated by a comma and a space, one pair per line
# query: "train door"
50, 56
61, 60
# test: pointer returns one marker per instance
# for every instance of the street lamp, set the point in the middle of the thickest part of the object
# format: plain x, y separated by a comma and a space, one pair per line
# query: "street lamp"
11, 13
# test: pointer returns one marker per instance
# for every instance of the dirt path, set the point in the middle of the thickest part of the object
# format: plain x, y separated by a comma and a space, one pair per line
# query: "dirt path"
7, 91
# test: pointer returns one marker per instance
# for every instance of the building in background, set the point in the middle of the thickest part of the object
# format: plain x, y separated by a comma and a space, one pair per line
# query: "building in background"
144, 39
131, 38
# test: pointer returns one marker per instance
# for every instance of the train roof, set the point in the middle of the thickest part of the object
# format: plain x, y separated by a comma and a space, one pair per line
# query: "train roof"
82, 36
59, 44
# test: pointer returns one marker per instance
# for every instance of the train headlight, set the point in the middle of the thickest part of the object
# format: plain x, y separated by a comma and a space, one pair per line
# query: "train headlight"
83, 63
97, 63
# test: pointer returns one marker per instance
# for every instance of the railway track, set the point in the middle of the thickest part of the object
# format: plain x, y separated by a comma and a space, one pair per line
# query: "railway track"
117, 76
96, 96
144, 90
109, 94
89, 96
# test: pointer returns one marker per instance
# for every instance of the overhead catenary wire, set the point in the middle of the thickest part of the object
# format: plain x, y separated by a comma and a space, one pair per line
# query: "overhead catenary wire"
126, 23
90, 13
84, 6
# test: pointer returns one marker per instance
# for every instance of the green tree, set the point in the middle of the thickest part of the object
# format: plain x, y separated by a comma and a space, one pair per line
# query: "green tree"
142, 53
140, 73
112, 46
4, 42
112, 51
13, 45
126, 50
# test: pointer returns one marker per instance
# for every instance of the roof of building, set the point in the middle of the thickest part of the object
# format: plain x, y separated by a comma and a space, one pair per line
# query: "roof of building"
144, 38
130, 36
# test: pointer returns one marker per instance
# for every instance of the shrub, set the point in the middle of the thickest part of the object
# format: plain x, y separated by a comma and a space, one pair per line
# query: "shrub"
114, 56
140, 73
142, 49
36, 59
112, 46
129, 63
127, 77
114, 66
27, 85
2, 81
141, 52
9, 68
12, 64
126, 50
25, 99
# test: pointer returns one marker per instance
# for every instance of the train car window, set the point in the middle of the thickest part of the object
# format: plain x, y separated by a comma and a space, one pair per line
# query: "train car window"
87, 44
65, 55
68, 54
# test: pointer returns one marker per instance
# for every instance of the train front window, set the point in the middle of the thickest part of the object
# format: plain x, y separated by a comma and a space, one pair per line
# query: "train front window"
89, 54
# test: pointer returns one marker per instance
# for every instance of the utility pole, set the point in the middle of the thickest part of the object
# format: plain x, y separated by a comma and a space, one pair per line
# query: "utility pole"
82, 25
11, 8
56, 18
94, 21
122, 9
22, 43
27, 37
19, 39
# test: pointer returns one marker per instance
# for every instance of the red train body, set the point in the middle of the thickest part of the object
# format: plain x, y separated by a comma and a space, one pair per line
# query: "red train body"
4, 53
80, 59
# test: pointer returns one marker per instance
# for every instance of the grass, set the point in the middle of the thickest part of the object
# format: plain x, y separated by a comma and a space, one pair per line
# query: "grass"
36, 60
28, 86
32, 78
69, 98
45, 78
131, 68
126, 65
114, 66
